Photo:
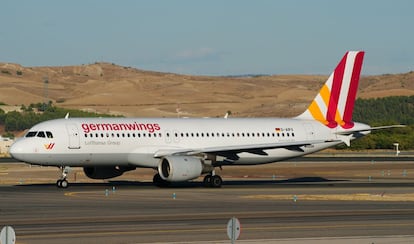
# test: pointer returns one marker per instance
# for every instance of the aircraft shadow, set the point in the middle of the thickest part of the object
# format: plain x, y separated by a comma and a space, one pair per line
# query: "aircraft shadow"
294, 182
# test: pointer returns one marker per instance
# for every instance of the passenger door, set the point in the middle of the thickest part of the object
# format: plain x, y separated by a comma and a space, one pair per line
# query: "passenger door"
73, 136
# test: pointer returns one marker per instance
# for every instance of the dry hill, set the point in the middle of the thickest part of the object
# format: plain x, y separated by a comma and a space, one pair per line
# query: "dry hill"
109, 88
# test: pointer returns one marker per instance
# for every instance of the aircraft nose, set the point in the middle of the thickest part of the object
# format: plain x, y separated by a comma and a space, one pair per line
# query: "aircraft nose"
16, 150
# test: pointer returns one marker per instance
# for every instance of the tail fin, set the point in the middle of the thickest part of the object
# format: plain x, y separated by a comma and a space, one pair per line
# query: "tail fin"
334, 104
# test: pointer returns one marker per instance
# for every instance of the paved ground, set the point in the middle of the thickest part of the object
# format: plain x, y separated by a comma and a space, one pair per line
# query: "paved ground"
290, 202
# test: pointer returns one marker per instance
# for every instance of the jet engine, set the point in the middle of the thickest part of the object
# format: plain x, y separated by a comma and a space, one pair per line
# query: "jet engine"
105, 172
180, 168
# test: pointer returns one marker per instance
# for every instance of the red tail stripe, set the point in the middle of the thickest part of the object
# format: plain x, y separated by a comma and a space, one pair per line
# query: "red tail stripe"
353, 87
336, 90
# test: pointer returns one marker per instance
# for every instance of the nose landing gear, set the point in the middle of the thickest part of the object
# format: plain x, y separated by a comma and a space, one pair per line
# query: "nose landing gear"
62, 182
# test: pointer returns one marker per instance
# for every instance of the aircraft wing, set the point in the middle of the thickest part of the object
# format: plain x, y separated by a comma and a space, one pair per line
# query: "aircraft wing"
233, 150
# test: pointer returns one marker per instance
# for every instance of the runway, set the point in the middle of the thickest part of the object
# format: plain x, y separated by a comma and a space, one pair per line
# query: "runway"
293, 210
138, 214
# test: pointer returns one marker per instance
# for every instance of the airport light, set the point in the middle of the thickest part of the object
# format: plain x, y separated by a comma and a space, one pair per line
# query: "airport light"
397, 151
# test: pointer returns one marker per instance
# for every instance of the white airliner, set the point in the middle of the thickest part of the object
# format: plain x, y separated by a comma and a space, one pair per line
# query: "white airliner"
185, 148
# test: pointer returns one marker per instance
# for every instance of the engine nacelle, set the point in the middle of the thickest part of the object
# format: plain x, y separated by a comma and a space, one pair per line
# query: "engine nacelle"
105, 172
180, 168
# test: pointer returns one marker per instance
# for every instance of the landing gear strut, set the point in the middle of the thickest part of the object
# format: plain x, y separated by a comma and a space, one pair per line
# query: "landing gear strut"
62, 182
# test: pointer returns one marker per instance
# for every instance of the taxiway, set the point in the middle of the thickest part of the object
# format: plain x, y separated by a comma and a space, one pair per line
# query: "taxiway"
286, 210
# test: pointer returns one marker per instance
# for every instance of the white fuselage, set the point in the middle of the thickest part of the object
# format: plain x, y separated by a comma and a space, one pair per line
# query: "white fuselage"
141, 142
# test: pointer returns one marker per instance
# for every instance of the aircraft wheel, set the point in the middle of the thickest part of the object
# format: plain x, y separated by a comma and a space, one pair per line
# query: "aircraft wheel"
207, 180
216, 181
158, 181
59, 183
64, 184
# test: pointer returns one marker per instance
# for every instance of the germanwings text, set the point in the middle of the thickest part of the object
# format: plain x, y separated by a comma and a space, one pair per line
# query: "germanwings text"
150, 127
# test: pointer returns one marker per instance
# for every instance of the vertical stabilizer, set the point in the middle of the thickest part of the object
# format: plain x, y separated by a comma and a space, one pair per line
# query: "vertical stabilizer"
334, 103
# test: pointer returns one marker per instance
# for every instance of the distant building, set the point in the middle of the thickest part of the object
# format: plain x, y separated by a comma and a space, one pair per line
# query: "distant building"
5, 144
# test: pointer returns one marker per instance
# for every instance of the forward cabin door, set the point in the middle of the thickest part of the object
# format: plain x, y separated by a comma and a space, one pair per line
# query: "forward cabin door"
73, 135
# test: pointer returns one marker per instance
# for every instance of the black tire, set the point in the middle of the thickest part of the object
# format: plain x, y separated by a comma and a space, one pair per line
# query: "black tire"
59, 183
216, 181
207, 180
160, 182
64, 184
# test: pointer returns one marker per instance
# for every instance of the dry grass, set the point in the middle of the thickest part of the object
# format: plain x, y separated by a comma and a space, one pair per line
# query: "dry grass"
109, 88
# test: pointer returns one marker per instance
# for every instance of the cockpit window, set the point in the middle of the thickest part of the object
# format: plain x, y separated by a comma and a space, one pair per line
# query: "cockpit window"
41, 134
31, 134
49, 134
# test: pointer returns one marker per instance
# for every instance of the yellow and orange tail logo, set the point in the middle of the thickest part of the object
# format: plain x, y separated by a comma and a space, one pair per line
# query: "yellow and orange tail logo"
334, 103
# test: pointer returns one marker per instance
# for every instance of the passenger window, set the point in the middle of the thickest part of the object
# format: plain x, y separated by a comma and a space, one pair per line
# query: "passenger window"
31, 133
41, 134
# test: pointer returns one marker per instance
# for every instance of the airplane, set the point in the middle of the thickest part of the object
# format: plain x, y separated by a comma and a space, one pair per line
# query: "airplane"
183, 149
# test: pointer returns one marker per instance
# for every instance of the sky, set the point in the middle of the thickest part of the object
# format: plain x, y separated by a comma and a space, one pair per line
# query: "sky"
214, 37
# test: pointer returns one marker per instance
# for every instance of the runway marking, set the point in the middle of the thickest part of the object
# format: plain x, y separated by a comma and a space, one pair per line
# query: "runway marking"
385, 197
220, 229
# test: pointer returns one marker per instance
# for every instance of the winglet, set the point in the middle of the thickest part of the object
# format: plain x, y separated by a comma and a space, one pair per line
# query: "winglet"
334, 103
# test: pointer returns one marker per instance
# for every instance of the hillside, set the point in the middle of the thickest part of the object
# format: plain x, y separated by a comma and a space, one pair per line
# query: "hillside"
109, 88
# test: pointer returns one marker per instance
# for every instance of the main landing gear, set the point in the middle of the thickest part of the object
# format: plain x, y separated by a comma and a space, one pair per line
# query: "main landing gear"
212, 180
160, 182
62, 182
